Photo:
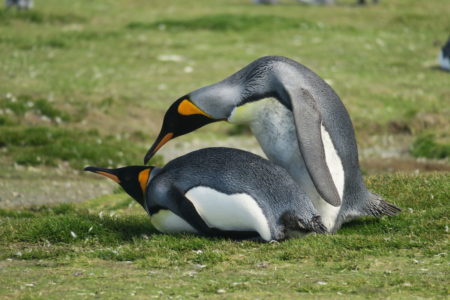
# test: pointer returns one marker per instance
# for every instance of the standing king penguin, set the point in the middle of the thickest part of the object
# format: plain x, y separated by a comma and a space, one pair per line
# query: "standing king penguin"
301, 125
444, 56
220, 192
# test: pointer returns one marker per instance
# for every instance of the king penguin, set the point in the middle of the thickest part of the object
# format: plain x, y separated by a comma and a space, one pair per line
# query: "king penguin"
444, 56
301, 125
220, 192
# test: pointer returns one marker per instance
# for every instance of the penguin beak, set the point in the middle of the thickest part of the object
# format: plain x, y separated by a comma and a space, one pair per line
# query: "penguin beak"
182, 117
103, 171
160, 141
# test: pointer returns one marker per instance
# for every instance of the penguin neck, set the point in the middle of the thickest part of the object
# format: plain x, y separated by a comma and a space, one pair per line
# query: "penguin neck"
274, 129
153, 173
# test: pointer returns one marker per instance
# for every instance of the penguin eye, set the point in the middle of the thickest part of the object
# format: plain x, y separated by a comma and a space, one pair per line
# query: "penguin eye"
127, 178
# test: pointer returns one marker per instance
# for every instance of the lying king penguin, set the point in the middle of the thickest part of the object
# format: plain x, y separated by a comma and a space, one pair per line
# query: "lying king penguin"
220, 192
301, 125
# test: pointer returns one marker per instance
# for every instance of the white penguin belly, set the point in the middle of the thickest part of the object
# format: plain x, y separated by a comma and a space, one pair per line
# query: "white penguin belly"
273, 126
168, 222
238, 212
444, 61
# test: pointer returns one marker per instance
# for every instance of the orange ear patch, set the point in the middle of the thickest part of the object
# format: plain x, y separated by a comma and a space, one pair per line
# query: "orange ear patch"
143, 178
113, 177
186, 108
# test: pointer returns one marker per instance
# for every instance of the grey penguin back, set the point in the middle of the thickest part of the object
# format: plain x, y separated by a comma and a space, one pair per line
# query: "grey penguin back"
232, 171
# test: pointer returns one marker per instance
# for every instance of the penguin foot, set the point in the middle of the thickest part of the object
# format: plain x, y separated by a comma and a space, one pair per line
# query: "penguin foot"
377, 206
294, 226
316, 225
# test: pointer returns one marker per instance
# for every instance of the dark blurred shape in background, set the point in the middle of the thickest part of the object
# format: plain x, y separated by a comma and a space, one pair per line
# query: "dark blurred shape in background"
362, 2
302, 1
317, 1
265, 1
21, 4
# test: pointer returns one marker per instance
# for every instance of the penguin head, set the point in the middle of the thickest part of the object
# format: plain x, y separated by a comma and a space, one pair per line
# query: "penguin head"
206, 105
132, 179
181, 118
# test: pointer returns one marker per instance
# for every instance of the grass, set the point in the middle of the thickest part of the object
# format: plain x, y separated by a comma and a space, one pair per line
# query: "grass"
8, 16
17, 108
227, 22
116, 68
405, 256
47, 144
380, 59
426, 146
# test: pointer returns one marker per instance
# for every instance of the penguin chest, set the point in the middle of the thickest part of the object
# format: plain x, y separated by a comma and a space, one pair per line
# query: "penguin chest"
236, 212
166, 221
274, 128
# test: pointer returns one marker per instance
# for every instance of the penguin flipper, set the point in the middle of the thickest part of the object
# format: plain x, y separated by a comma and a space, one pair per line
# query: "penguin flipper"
185, 209
308, 123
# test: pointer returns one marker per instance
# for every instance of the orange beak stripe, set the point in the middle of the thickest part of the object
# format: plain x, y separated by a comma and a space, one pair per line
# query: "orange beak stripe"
187, 108
143, 178
163, 141
113, 177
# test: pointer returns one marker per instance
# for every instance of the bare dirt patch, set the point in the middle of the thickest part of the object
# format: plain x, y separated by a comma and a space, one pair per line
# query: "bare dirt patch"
25, 186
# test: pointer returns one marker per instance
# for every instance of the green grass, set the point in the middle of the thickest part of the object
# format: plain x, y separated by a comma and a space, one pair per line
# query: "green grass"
406, 255
228, 22
381, 60
19, 106
426, 146
7, 16
47, 145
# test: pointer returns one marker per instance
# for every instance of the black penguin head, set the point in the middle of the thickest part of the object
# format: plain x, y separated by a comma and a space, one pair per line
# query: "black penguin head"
132, 179
182, 117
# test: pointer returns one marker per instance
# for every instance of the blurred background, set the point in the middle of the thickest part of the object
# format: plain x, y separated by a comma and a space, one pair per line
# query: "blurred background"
88, 82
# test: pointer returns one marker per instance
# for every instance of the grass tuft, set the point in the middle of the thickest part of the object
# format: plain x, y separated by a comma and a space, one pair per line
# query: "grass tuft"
228, 22
426, 146
37, 17
46, 145
75, 227
19, 106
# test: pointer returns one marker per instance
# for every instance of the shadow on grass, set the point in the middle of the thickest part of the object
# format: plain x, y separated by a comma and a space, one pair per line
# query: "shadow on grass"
356, 224
438, 68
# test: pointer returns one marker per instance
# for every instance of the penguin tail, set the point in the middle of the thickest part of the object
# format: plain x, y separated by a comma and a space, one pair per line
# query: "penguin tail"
377, 206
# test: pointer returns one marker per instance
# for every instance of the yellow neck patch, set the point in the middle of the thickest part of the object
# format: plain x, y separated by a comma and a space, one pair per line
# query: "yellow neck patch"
143, 178
187, 108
